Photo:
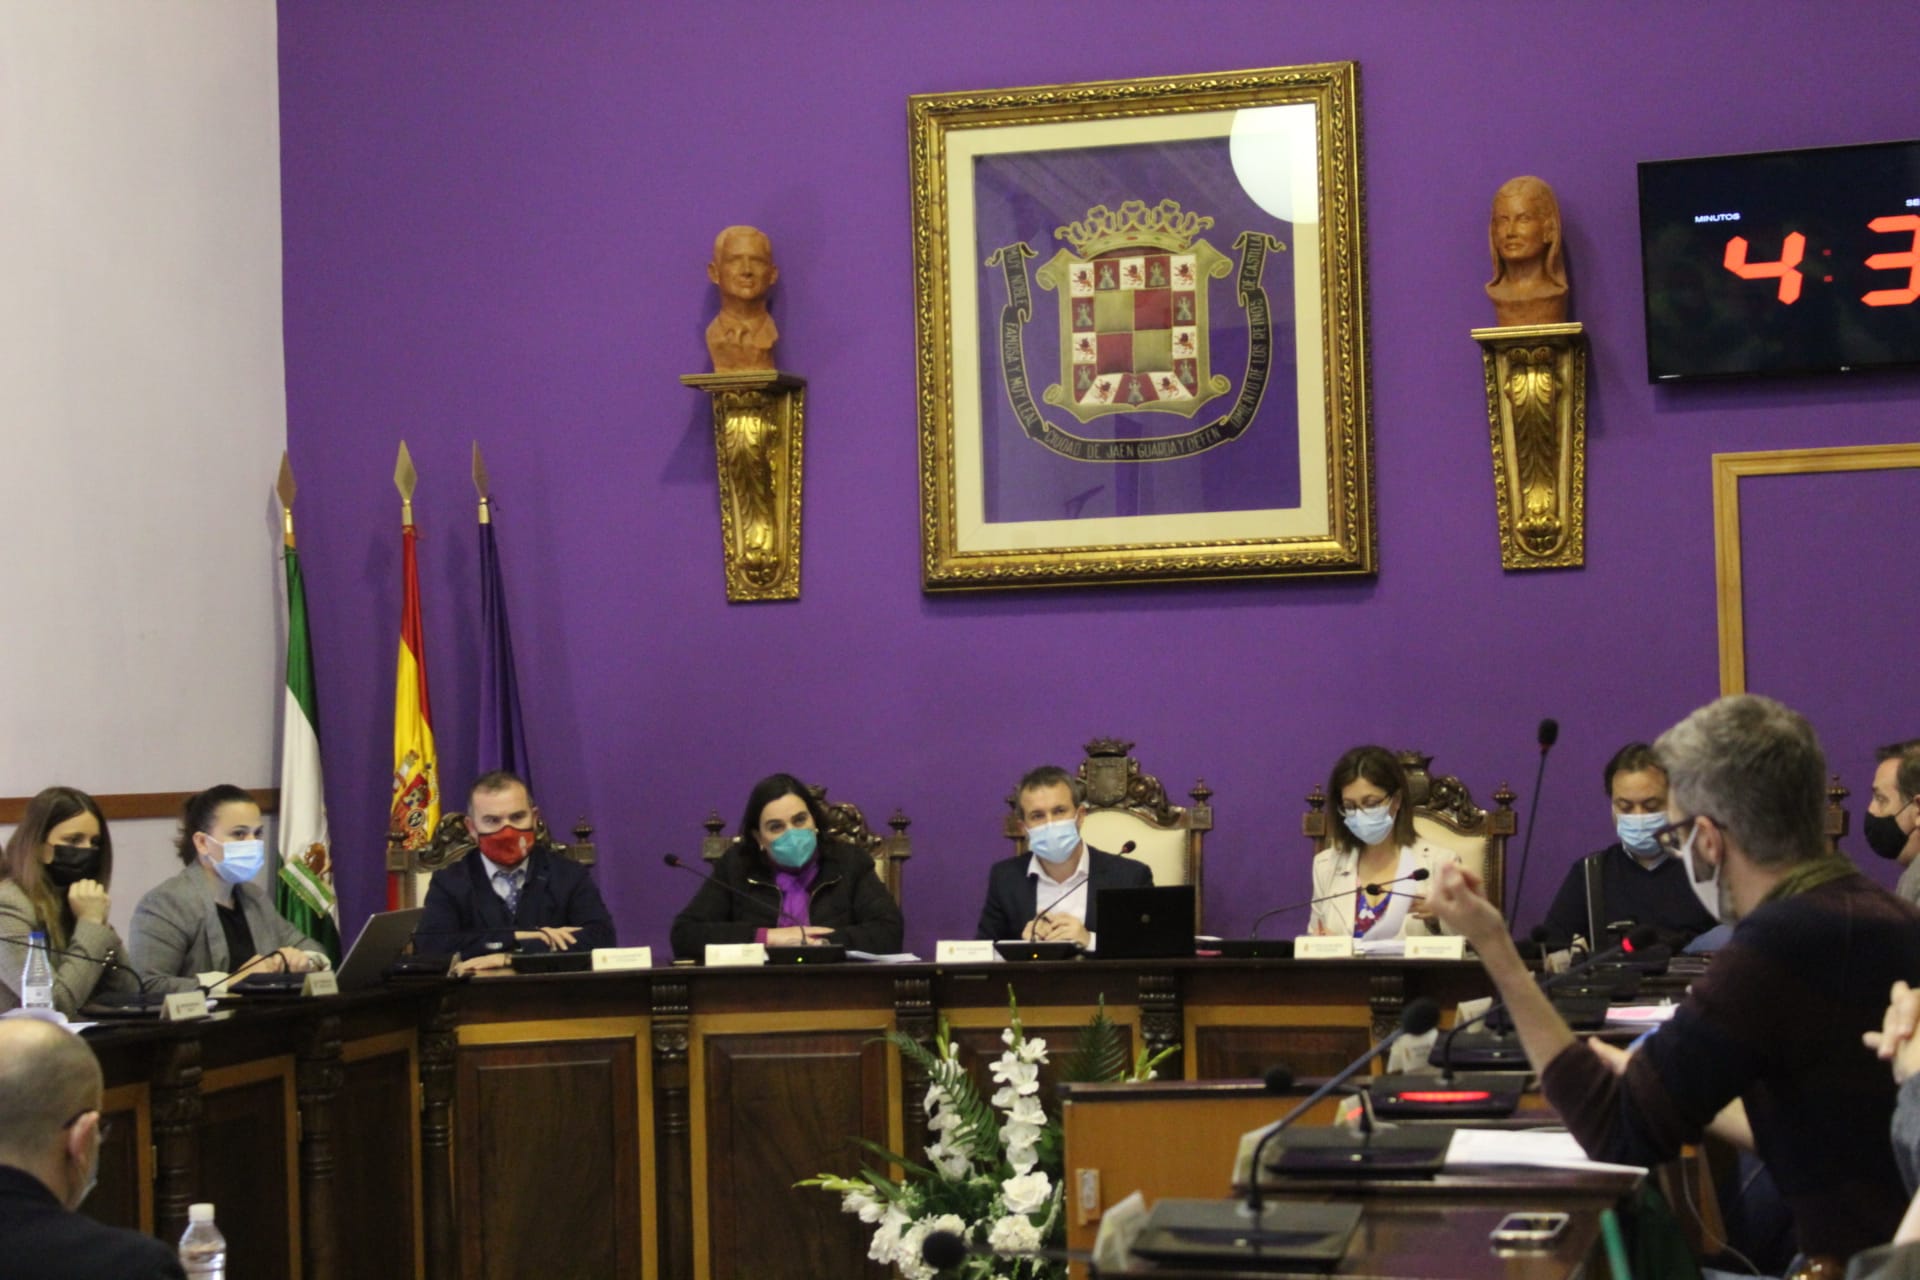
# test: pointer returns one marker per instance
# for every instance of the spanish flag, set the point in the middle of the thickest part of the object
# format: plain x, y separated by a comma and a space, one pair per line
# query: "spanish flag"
416, 778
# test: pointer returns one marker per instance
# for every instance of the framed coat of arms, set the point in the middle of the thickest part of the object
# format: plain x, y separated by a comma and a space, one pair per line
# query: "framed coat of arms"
1141, 319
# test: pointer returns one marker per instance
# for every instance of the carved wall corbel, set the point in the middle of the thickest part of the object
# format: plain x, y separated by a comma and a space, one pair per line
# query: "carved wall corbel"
1536, 383
759, 426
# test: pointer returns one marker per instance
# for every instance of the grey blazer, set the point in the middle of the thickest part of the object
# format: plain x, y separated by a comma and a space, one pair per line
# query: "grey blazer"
75, 977
176, 928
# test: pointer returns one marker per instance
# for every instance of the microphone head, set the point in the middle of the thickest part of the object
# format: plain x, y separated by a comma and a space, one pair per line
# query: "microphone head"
1420, 1016
943, 1249
1127, 848
1420, 873
1279, 1078
1549, 732
1640, 938
672, 860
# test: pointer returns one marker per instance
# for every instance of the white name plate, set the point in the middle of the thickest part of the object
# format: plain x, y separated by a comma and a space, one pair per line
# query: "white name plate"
955, 951
1321, 947
623, 958
182, 1005
735, 953
1441, 948
321, 982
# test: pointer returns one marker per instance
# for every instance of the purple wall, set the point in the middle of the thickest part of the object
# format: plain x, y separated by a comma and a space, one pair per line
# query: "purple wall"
496, 221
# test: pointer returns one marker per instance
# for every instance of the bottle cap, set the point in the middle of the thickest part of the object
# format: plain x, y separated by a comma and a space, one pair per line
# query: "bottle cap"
199, 1213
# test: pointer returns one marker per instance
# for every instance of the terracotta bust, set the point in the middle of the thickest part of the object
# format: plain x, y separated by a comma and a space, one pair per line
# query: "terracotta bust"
1529, 284
741, 337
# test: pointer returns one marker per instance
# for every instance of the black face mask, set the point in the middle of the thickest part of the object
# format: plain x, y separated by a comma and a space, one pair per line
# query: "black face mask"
1884, 835
73, 863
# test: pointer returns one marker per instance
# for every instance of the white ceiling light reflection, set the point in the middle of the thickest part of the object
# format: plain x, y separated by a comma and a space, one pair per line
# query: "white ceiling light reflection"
1273, 150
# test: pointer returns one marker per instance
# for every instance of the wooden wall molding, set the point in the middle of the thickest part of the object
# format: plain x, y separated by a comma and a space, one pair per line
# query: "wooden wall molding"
130, 805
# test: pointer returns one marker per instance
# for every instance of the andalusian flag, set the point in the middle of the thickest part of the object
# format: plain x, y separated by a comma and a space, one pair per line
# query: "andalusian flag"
304, 892
416, 779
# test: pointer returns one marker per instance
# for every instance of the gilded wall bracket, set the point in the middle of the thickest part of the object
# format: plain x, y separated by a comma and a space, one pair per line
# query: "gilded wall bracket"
759, 424
1536, 380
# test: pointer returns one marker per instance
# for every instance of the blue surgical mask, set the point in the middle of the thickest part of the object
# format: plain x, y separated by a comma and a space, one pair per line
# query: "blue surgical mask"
1370, 826
241, 860
1055, 841
793, 848
1703, 879
1636, 831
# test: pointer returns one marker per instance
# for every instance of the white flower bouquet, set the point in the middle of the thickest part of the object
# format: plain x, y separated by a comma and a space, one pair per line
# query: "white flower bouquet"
992, 1175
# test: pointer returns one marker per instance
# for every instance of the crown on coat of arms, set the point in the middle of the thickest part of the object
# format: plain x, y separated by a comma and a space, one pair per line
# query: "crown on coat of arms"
1164, 226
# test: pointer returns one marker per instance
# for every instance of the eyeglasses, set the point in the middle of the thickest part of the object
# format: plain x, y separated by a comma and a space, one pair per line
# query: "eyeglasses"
1372, 804
1673, 837
105, 1127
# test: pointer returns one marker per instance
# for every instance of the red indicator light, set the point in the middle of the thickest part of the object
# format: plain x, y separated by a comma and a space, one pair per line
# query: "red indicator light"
1445, 1095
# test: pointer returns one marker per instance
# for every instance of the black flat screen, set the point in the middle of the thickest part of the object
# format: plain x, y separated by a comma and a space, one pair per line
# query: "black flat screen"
1782, 261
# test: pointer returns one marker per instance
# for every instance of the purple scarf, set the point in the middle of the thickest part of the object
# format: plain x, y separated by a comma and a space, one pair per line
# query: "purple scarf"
796, 891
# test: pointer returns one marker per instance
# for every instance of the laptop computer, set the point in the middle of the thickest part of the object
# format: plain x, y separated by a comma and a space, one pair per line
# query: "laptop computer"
1146, 924
382, 938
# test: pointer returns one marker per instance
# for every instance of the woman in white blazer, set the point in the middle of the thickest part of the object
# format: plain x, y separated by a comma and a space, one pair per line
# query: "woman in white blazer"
1372, 843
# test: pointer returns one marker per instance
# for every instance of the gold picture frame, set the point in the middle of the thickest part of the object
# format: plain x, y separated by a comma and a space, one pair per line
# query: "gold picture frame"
1728, 470
1190, 250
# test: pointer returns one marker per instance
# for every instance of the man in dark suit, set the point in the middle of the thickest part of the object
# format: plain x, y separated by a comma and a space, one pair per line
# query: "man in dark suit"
1052, 893
50, 1133
515, 892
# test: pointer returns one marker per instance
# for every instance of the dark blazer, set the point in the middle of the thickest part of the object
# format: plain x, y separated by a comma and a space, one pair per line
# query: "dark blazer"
740, 898
464, 914
1013, 897
43, 1240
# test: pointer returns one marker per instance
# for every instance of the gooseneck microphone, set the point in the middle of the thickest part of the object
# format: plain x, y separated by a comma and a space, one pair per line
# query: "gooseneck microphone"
1125, 849
144, 980
1642, 937
1419, 1017
1547, 734
1373, 890
782, 916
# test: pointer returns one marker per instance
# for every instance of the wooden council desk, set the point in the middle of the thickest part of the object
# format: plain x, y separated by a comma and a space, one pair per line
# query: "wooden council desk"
646, 1124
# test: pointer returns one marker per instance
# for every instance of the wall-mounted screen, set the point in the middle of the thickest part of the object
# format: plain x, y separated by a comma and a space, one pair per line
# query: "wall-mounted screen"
1782, 261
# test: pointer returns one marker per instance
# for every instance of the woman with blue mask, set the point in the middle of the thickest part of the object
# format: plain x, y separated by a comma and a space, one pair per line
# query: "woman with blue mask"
1372, 847
783, 882
217, 915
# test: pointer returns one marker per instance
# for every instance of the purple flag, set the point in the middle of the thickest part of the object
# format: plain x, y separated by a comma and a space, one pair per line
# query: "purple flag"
503, 735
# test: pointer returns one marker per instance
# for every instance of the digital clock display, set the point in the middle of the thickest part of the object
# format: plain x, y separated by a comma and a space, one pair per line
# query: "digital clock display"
1782, 261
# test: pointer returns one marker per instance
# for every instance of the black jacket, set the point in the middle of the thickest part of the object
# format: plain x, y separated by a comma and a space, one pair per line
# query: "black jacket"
740, 898
43, 1240
464, 914
1012, 895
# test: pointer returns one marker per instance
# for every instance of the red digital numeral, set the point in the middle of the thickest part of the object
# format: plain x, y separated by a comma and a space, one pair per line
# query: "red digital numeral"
1791, 251
1894, 261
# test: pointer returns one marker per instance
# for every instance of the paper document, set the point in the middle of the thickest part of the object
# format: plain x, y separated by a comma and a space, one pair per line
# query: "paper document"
1384, 947
1534, 1148
1642, 1013
896, 957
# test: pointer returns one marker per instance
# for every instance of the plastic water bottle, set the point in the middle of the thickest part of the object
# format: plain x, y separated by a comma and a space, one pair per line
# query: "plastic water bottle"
203, 1250
36, 982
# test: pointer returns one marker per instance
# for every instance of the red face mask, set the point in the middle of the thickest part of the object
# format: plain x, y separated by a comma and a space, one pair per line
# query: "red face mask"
507, 847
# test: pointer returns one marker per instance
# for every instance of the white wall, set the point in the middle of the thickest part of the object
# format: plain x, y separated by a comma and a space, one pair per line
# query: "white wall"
143, 411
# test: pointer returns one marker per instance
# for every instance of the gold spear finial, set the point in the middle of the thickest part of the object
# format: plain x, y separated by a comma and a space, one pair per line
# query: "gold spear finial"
480, 484
404, 479
284, 486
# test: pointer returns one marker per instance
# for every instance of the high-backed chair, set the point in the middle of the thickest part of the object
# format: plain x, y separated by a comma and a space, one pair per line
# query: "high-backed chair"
452, 842
845, 825
1124, 804
1444, 815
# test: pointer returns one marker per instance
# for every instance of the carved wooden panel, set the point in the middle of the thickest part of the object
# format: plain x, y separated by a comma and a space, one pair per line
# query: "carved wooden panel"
547, 1159
374, 1192
246, 1169
780, 1106
1227, 1052
116, 1199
